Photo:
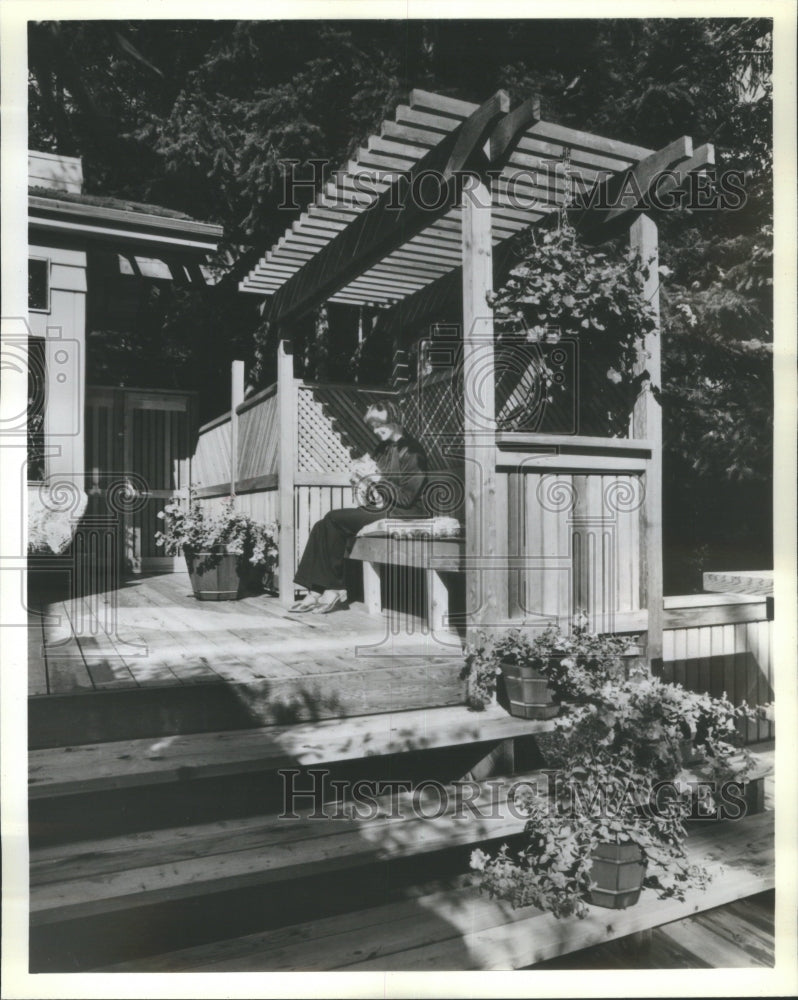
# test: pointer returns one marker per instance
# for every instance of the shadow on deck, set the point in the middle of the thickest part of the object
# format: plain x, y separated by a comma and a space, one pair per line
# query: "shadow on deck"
147, 658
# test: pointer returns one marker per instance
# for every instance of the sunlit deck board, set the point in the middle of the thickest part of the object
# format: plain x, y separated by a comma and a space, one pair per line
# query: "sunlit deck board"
456, 928
115, 874
129, 763
104, 660
733, 936
152, 632
37, 664
66, 665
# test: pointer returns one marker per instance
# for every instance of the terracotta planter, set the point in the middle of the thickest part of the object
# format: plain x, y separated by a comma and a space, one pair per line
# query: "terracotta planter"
528, 692
618, 871
214, 576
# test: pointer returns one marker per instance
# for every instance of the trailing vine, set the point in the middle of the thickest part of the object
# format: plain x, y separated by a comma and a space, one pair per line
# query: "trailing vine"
561, 289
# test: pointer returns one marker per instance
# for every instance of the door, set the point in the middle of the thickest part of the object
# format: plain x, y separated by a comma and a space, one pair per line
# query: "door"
138, 446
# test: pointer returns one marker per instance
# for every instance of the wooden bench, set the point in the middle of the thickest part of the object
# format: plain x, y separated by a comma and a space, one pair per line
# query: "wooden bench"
438, 558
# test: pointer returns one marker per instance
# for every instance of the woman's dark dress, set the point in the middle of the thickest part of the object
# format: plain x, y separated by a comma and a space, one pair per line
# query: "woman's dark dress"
402, 466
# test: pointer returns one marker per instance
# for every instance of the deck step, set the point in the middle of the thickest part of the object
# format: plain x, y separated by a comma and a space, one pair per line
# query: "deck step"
115, 875
89, 768
380, 684
454, 927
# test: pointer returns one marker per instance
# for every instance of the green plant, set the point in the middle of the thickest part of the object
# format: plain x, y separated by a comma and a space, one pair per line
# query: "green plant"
575, 664
562, 289
190, 528
654, 720
617, 757
601, 798
483, 659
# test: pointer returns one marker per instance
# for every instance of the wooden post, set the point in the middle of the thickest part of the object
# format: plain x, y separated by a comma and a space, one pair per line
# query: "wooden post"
287, 417
372, 588
647, 424
236, 399
485, 507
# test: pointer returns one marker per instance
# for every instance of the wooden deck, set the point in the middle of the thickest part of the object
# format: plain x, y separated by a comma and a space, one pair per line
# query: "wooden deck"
152, 632
150, 649
739, 935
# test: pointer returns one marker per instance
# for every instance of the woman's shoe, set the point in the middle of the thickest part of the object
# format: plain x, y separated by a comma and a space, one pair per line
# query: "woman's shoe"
325, 607
305, 605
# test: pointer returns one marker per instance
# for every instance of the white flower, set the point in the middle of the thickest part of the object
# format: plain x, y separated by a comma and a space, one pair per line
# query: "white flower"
478, 860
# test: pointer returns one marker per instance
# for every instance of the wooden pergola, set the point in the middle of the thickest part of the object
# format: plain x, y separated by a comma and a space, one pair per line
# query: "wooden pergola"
427, 214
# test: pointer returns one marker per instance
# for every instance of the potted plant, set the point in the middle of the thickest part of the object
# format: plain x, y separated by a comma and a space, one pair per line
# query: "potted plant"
615, 814
221, 550
591, 842
508, 656
541, 672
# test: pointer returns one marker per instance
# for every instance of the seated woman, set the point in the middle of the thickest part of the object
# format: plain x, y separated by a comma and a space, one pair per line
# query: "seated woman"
393, 492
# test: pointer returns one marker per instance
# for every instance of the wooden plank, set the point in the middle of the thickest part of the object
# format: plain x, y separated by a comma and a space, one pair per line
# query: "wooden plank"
738, 582
619, 463
695, 610
132, 763
37, 663
517, 440
287, 419
713, 948
441, 553
166, 660
372, 587
107, 877
66, 665
647, 423
542, 936
486, 589
454, 927
612, 201
105, 663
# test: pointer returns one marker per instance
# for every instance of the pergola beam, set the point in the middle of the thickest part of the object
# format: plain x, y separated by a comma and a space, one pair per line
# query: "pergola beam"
614, 203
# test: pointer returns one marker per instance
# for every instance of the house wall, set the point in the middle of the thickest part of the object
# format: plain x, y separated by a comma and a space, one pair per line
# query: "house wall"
63, 329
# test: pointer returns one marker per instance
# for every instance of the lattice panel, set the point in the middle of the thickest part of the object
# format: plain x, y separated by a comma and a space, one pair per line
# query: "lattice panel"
319, 445
433, 415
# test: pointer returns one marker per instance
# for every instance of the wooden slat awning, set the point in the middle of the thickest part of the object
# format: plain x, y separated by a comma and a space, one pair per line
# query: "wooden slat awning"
530, 159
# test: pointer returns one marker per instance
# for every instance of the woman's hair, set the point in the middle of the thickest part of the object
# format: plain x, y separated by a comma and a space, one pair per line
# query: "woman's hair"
383, 411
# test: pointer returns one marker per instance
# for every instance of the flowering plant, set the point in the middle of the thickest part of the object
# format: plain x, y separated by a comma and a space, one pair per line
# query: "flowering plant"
190, 528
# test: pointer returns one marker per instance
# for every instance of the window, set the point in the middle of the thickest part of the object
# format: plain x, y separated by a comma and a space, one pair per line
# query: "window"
38, 284
36, 399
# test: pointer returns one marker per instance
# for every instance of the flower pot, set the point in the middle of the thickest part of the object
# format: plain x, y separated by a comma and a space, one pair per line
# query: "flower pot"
528, 692
691, 754
214, 576
617, 875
